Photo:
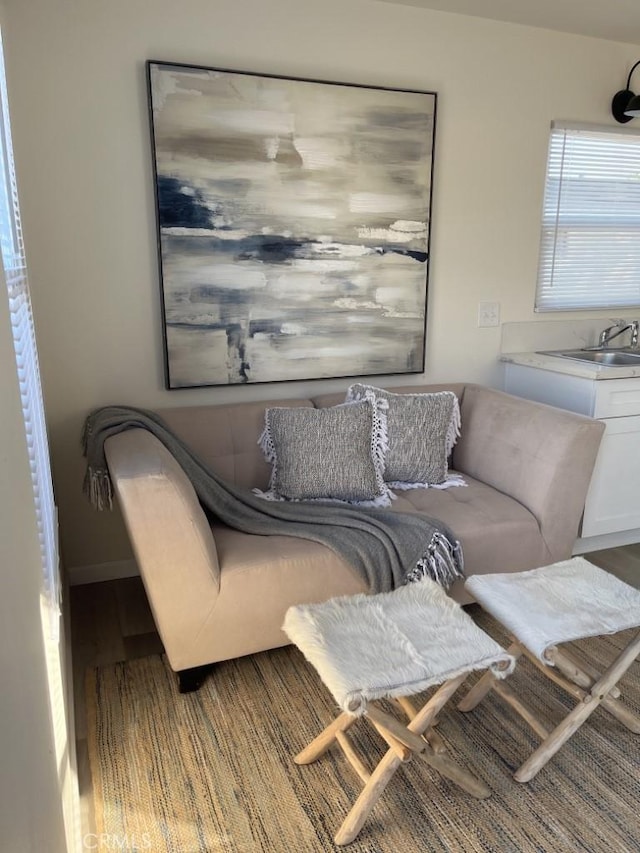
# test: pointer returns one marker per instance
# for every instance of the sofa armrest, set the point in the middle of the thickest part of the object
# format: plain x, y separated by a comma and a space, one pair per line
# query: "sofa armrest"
540, 455
170, 536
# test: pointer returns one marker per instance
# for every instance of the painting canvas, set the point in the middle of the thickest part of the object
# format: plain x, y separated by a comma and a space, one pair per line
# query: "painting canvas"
293, 225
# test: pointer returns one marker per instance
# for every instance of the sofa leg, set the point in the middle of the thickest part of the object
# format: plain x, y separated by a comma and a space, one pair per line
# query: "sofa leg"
190, 680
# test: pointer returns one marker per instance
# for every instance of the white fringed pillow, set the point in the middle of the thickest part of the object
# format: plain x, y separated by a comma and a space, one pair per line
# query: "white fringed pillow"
422, 430
329, 454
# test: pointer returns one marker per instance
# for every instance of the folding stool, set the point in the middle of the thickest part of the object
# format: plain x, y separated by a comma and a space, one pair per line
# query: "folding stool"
544, 608
389, 646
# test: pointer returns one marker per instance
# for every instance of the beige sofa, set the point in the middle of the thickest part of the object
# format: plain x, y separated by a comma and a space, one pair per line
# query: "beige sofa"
217, 593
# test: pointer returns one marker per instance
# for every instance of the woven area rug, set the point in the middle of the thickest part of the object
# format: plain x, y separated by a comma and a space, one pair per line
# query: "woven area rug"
213, 770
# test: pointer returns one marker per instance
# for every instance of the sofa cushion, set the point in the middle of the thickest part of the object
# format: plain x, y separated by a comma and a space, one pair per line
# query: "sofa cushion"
422, 430
327, 454
226, 437
491, 526
261, 577
291, 570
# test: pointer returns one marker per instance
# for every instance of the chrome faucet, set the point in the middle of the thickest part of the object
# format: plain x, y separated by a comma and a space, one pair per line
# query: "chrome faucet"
608, 334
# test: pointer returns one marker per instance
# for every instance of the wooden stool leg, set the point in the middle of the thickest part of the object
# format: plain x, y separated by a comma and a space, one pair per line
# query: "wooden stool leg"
484, 685
352, 756
381, 777
420, 747
582, 673
323, 741
433, 738
565, 678
427, 714
622, 714
561, 734
586, 677
435, 741
505, 692
410, 738
369, 796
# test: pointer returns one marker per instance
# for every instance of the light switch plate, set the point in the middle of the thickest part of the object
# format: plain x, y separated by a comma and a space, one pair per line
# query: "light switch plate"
488, 314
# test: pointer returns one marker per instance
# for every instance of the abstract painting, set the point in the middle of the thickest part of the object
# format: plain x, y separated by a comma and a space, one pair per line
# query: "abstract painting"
293, 225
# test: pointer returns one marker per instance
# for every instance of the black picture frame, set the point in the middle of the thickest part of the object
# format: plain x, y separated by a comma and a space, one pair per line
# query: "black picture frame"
293, 225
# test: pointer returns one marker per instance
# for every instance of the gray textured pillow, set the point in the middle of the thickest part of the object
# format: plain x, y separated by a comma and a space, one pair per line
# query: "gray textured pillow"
422, 430
335, 453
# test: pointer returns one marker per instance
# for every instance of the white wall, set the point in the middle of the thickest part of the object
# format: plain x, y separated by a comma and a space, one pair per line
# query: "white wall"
31, 811
76, 83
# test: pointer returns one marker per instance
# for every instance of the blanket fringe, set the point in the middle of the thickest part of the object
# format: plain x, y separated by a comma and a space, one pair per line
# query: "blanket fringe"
381, 502
449, 481
442, 562
97, 487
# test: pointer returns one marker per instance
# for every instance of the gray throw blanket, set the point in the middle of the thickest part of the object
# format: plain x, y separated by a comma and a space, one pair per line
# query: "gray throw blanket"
387, 548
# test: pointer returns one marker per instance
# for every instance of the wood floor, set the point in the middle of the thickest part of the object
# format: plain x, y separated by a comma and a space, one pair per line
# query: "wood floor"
112, 622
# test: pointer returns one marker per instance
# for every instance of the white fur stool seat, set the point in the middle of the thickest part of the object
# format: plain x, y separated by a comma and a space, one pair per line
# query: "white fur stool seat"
543, 609
390, 646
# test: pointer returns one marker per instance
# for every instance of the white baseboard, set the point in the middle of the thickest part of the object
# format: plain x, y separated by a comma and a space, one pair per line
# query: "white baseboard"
78, 575
606, 540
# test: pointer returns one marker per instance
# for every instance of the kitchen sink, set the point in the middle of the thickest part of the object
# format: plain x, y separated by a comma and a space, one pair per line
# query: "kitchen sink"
606, 357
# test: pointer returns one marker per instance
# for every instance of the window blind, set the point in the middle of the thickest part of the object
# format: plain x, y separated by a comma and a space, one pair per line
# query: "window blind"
15, 270
590, 242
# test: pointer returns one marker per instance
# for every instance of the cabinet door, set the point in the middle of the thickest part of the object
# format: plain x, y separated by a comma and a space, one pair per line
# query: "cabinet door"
613, 501
617, 398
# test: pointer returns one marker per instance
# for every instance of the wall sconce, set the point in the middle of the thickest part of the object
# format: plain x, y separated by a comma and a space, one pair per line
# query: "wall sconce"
625, 105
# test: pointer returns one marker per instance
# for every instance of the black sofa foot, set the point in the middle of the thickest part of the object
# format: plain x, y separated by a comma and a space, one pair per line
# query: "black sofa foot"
190, 680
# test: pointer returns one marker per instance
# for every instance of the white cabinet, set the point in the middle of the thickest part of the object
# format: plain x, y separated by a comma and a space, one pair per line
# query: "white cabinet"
615, 398
612, 509
613, 502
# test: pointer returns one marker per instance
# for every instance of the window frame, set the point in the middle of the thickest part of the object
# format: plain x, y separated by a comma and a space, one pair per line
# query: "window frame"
565, 230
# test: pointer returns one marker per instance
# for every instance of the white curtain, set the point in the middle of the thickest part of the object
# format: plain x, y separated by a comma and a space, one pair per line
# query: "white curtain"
15, 269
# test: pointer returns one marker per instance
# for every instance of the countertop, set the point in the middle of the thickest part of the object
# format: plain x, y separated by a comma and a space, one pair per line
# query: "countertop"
569, 367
